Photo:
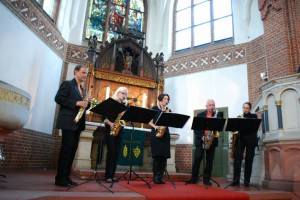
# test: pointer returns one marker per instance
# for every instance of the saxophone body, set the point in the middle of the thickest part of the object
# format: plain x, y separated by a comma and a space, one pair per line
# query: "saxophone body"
118, 124
162, 129
234, 137
82, 110
209, 137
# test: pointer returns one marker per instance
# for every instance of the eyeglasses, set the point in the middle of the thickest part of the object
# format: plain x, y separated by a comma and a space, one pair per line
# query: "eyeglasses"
124, 93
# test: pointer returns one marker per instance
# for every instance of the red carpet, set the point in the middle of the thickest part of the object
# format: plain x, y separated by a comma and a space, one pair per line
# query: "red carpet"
182, 191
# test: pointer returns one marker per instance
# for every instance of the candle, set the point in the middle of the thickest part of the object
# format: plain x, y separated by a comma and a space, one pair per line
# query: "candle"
107, 92
144, 100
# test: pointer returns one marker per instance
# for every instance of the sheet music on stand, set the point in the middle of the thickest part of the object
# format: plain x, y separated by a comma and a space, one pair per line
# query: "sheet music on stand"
138, 114
243, 124
171, 120
203, 123
109, 108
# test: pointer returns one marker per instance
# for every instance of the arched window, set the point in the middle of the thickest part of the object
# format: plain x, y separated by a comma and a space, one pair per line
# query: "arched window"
108, 18
50, 7
202, 22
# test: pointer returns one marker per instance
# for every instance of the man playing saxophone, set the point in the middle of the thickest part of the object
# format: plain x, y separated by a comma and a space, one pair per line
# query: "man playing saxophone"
113, 140
200, 138
245, 141
70, 96
160, 141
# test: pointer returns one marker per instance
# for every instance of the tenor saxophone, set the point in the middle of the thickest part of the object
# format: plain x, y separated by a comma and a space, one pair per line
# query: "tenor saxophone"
234, 136
82, 110
208, 138
162, 129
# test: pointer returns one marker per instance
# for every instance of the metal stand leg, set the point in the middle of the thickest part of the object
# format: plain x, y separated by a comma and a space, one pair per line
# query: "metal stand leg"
130, 171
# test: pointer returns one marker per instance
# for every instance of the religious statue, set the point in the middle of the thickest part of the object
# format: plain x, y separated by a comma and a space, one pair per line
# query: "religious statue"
92, 42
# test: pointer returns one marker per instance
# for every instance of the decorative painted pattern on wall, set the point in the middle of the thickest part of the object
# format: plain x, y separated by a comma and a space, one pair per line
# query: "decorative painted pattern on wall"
203, 61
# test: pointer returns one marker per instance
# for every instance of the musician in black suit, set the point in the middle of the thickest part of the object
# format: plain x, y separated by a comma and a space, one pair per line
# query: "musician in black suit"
113, 142
160, 144
70, 96
199, 151
248, 141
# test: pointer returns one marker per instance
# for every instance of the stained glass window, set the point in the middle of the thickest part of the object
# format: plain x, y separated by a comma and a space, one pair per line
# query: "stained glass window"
118, 18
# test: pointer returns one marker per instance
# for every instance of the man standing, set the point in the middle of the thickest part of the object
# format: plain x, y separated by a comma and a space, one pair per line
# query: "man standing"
70, 96
247, 142
199, 137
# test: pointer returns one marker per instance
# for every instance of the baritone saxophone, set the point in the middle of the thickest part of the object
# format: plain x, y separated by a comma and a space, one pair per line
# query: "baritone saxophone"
82, 110
162, 129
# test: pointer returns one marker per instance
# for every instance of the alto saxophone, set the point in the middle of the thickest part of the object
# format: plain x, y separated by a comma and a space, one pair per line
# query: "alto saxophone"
209, 137
162, 129
82, 110
118, 124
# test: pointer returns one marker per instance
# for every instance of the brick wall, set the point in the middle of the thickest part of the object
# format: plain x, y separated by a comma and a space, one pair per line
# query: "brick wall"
27, 149
183, 157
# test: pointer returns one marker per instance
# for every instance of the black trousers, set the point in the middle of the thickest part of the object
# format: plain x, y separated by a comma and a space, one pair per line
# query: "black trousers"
238, 158
198, 156
69, 144
113, 145
159, 165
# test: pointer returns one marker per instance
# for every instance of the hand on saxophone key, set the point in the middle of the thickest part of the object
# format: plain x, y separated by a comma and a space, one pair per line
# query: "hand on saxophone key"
82, 104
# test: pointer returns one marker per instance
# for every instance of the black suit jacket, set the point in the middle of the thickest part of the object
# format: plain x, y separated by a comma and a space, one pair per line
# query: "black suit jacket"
248, 137
199, 134
67, 96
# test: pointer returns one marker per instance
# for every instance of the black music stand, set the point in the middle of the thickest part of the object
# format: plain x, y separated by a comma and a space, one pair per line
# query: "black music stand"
171, 120
109, 107
141, 115
212, 124
242, 124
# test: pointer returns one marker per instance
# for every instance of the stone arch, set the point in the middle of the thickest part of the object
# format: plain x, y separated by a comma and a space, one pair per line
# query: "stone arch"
290, 109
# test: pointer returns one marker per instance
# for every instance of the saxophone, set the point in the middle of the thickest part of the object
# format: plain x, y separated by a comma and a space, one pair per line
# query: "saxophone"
82, 110
234, 136
208, 138
118, 124
162, 129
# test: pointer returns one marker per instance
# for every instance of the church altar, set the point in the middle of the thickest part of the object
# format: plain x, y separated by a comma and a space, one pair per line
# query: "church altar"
92, 140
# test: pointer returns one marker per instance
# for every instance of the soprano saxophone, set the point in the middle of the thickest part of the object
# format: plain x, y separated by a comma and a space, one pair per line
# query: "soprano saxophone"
82, 110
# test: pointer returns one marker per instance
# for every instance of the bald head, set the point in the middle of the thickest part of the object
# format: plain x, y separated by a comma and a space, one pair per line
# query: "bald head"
210, 105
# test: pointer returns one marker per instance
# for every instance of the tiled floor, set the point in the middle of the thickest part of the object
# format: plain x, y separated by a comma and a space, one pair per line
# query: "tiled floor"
39, 184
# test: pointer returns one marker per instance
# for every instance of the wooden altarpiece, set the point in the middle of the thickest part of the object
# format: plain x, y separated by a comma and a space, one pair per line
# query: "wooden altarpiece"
125, 62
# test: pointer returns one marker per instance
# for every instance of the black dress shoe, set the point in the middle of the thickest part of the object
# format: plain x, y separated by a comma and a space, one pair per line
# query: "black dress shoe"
62, 183
235, 183
192, 181
156, 180
72, 182
207, 183
246, 184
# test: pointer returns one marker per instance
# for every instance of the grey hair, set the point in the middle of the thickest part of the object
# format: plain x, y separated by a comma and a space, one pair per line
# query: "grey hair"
120, 89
